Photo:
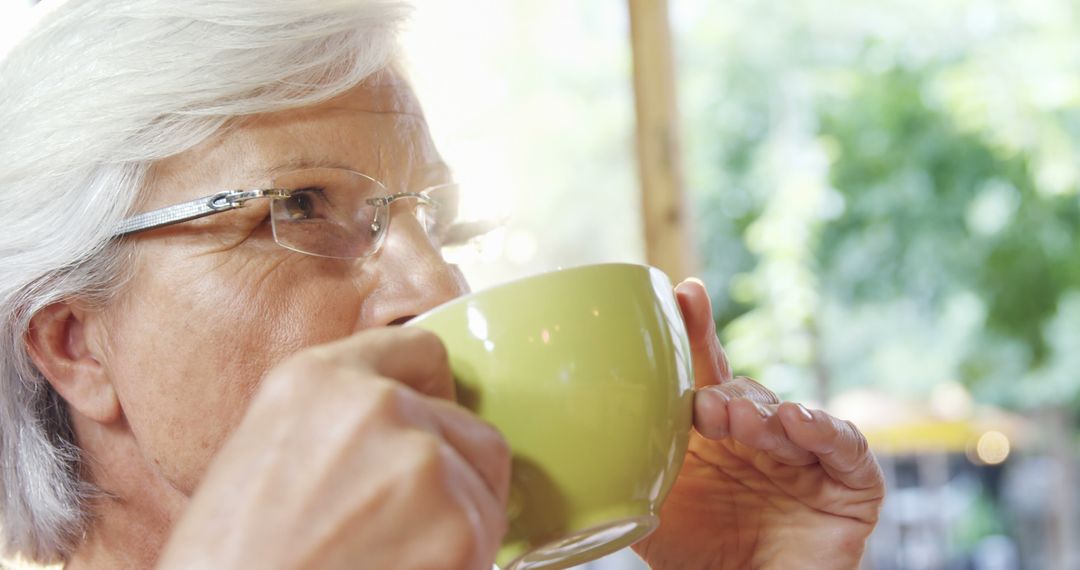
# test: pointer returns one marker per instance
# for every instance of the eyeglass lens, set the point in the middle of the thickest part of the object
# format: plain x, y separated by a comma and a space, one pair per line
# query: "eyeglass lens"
328, 213
332, 213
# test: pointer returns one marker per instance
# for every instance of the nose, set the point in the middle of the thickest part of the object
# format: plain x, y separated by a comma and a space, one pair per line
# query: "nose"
411, 276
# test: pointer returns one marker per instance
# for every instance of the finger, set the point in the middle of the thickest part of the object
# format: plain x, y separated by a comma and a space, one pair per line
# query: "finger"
711, 414
758, 427
710, 363
480, 456
839, 446
412, 356
711, 417
478, 443
486, 514
417, 358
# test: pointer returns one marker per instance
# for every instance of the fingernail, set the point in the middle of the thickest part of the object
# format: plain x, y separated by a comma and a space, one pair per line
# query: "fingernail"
761, 410
804, 414
684, 282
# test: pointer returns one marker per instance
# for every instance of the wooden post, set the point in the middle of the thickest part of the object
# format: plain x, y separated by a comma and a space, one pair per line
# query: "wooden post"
1063, 524
669, 239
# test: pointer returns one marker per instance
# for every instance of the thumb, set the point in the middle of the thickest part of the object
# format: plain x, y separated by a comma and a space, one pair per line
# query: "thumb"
710, 363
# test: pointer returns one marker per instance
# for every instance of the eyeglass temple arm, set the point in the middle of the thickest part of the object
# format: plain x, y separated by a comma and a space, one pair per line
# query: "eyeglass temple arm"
223, 202
387, 200
191, 210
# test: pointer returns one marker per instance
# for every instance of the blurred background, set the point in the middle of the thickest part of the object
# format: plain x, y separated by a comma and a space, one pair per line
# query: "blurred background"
882, 198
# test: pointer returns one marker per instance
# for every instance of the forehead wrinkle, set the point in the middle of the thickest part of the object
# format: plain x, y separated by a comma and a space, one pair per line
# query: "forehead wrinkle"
353, 131
305, 162
253, 162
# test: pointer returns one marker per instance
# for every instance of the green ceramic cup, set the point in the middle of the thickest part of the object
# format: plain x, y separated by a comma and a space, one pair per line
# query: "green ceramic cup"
587, 373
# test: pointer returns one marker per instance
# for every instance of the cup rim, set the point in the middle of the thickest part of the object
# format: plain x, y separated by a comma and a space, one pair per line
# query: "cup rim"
557, 271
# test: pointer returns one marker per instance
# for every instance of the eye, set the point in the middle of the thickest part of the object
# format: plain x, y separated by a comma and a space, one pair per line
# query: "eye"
302, 204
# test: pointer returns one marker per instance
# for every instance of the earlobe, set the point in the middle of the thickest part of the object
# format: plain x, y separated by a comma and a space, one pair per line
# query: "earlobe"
59, 347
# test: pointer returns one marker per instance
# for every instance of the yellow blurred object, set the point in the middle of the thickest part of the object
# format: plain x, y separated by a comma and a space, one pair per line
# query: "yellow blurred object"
928, 435
896, 426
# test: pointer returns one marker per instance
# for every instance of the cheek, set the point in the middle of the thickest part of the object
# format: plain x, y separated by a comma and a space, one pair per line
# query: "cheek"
188, 353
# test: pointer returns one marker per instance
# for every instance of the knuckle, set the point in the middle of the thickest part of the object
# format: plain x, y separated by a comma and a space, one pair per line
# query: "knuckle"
368, 346
419, 338
382, 395
728, 391
430, 344
861, 445
429, 450
390, 401
483, 432
757, 391
424, 458
413, 349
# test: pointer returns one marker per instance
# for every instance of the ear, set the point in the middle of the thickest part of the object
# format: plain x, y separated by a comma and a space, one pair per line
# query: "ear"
59, 347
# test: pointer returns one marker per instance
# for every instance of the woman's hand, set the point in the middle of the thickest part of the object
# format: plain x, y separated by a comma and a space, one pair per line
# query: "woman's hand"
352, 456
765, 484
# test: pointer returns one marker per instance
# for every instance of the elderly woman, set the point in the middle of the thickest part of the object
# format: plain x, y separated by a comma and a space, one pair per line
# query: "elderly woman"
219, 384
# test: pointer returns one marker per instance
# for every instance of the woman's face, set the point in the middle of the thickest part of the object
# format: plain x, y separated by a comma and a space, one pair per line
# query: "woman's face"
215, 303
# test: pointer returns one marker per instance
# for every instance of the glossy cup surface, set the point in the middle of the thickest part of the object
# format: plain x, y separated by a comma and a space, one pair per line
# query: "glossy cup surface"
586, 372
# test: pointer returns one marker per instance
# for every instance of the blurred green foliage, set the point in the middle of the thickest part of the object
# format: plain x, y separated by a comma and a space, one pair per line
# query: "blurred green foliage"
888, 192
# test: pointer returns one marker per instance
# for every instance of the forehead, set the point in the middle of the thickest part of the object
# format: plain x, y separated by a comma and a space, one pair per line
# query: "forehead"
376, 128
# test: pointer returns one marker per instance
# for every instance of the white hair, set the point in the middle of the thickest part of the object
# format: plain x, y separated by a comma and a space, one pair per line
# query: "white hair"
91, 96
